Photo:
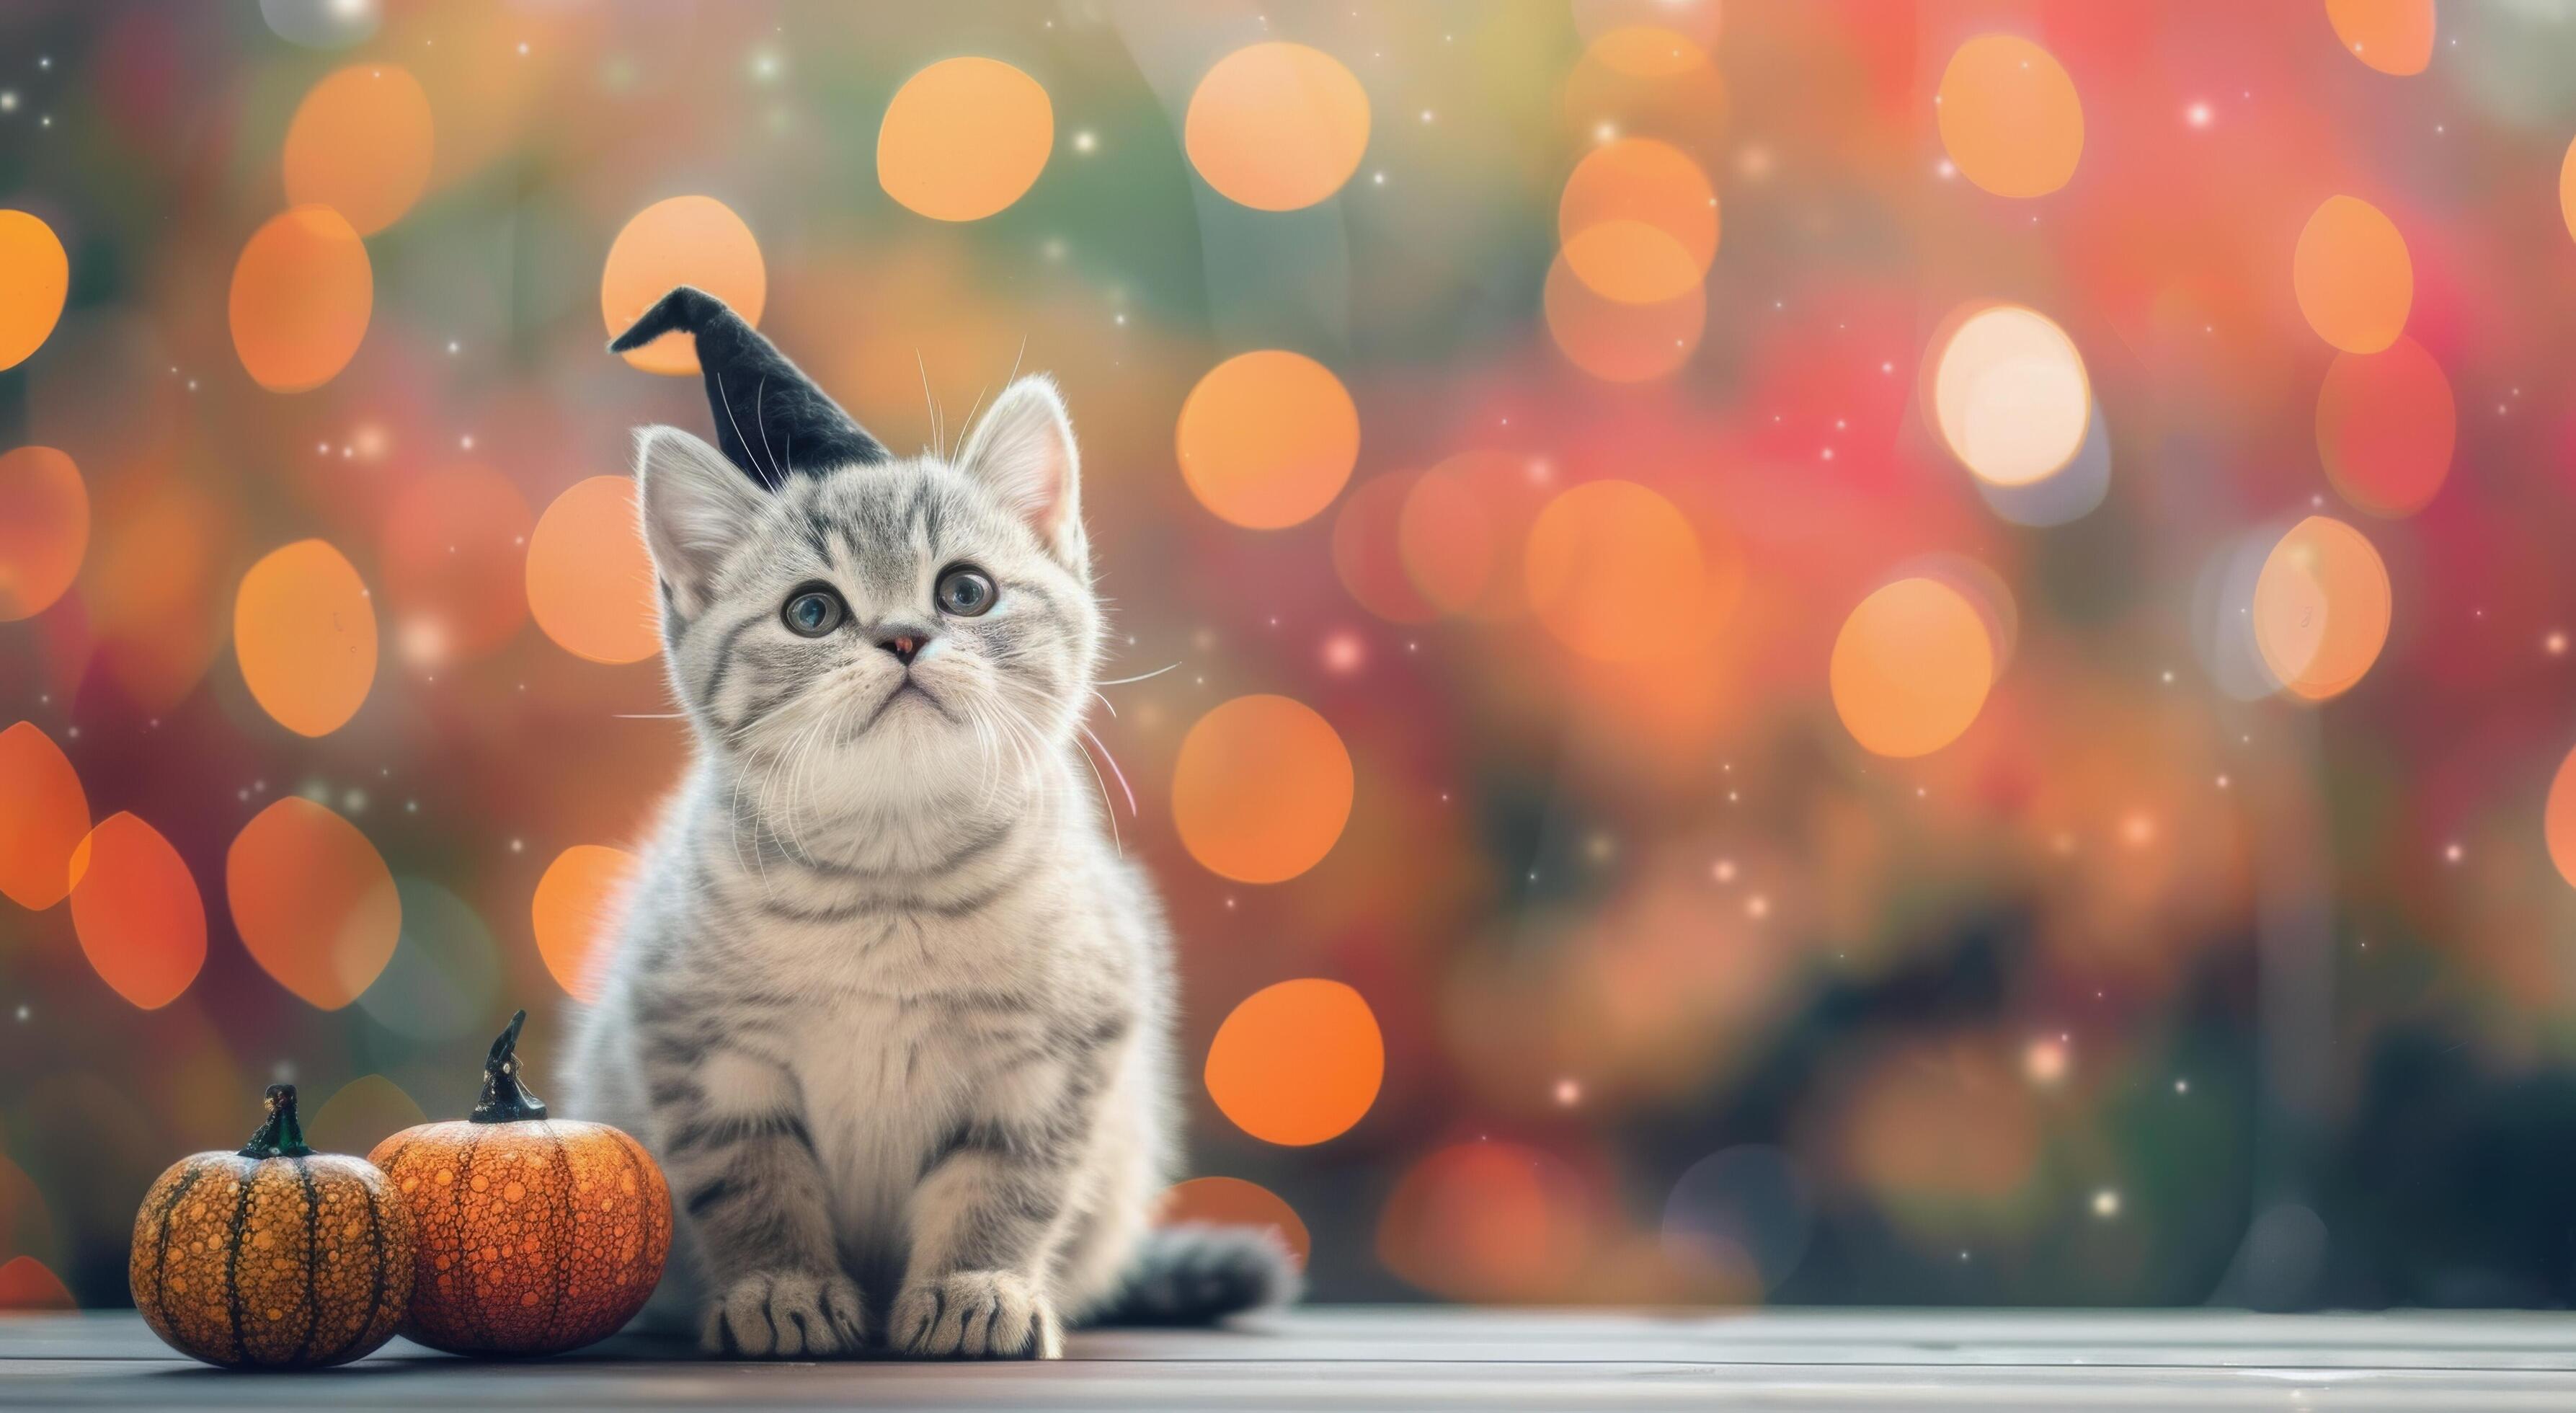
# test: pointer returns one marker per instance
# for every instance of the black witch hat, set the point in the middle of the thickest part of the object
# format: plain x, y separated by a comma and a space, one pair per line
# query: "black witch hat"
770, 418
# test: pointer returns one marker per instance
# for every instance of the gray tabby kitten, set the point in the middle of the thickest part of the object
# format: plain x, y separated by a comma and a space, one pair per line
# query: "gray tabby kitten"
887, 1005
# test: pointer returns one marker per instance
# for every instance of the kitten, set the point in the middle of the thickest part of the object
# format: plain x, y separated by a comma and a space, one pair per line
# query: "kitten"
886, 1003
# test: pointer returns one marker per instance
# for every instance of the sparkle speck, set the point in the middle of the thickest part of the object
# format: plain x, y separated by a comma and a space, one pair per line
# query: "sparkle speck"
2453, 854
1568, 1093
2106, 1203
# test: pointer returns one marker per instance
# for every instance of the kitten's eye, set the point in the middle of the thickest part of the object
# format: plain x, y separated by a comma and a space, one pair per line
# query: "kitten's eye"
814, 612
965, 591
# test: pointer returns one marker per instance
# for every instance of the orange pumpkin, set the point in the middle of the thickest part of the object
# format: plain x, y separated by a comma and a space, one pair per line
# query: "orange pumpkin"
535, 1235
275, 1257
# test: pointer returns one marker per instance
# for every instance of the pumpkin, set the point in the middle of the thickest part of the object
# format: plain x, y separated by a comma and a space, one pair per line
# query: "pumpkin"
534, 1235
275, 1257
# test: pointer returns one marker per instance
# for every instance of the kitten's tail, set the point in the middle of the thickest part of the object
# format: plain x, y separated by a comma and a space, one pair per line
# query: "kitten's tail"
1196, 1274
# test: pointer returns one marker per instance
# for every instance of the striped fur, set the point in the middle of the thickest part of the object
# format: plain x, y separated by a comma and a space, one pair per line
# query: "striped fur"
886, 1003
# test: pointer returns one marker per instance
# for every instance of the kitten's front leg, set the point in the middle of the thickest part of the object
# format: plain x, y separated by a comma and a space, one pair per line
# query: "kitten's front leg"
985, 1215
742, 1163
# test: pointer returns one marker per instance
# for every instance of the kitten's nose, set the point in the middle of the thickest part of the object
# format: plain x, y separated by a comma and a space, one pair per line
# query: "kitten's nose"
905, 646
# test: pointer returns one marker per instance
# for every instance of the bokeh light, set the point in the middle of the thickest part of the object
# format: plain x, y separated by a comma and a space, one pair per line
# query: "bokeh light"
1911, 668
2392, 36
1261, 789
1463, 532
137, 911
2009, 116
2567, 189
455, 552
1277, 126
1615, 572
305, 631
1697, 21
2010, 396
1941, 1133
574, 908
590, 578
1298, 1062
1233, 1202
1638, 221
44, 529
35, 277
301, 296
1368, 551
2321, 608
2558, 818
2352, 275
1268, 438
1616, 341
46, 818
2385, 427
1487, 1221
686, 240
28, 1285
964, 138
154, 585
1746, 1204
444, 981
361, 143
313, 901
321, 24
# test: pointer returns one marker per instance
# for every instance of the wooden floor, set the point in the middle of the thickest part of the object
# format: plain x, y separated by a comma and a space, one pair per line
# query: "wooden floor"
1419, 1357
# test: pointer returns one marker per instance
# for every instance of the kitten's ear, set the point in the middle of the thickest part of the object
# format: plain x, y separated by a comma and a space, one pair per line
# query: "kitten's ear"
1022, 449
697, 507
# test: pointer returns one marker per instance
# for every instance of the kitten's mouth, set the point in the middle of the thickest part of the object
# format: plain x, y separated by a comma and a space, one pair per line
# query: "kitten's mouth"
908, 687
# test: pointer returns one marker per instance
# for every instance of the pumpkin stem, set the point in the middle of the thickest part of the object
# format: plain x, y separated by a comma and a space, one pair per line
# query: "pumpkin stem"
280, 1135
506, 1099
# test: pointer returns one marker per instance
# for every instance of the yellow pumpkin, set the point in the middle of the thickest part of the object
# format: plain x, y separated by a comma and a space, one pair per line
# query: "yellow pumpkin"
275, 1257
535, 1234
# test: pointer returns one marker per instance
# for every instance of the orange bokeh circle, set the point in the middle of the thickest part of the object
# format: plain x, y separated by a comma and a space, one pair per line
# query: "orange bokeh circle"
305, 632
2009, 116
1616, 341
590, 579
2386, 425
1368, 553
138, 914
313, 901
574, 906
455, 551
1261, 789
44, 529
1639, 221
35, 278
1487, 1221
1615, 572
301, 295
1267, 438
1277, 126
2558, 819
2321, 608
686, 240
1911, 668
2354, 281
964, 138
1233, 1202
2392, 36
1298, 1062
46, 818
361, 143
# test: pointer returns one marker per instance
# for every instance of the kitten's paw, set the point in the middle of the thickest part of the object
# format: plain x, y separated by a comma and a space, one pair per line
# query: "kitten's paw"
786, 1315
976, 1315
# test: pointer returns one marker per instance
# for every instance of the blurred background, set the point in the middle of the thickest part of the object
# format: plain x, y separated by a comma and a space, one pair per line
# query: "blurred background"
1812, 652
